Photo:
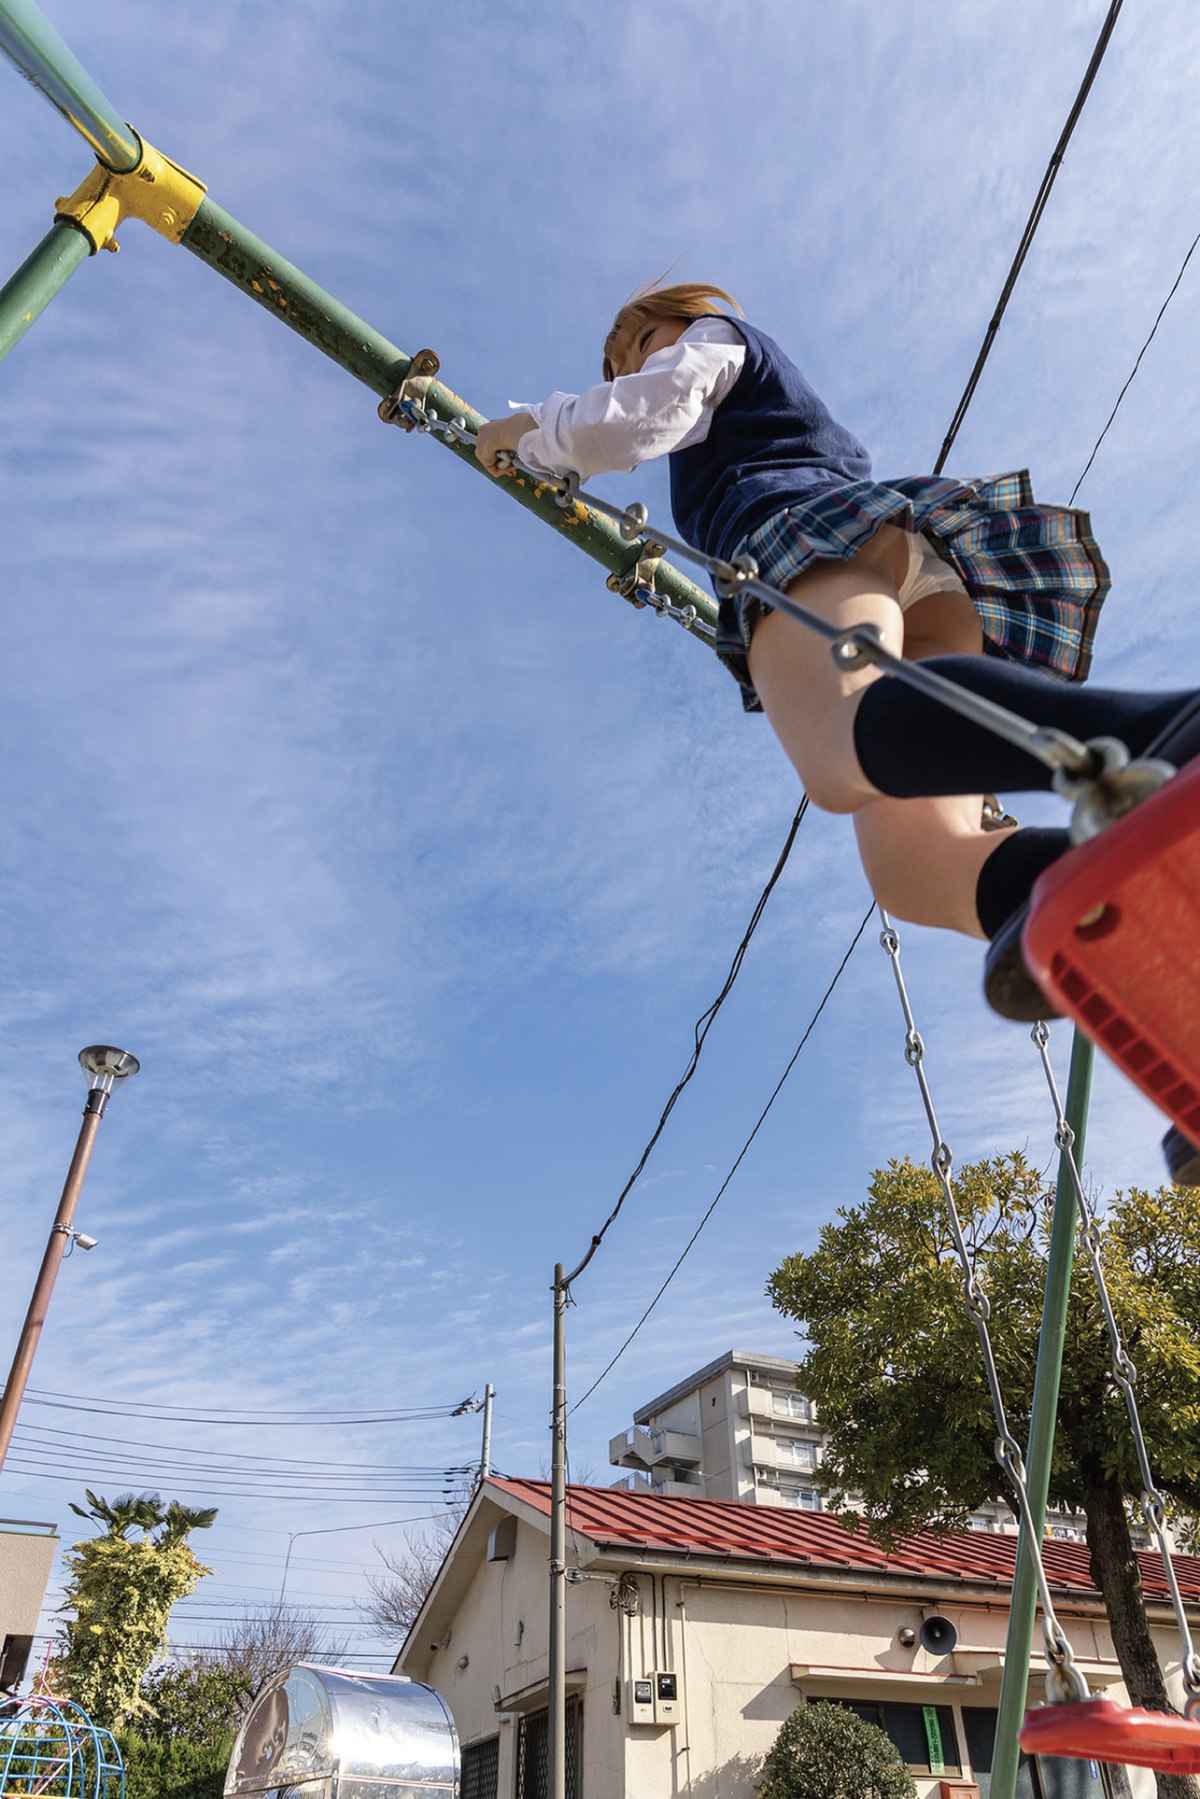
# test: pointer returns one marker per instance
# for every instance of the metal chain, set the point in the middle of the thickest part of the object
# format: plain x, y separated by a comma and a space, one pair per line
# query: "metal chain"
1065, 1685
1099, 769
1125, 1374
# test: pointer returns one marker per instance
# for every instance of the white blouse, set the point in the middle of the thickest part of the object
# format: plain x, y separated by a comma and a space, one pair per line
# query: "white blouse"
668, 405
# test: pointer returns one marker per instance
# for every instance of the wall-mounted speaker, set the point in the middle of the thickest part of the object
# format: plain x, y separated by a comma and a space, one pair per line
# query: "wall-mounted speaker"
938, 1635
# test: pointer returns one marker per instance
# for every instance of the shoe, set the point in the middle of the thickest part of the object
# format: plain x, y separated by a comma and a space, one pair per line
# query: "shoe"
1180, 741
1008, 986
1183, 1158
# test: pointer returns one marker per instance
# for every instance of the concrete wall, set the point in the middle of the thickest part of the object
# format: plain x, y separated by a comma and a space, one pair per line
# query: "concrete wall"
26, 1557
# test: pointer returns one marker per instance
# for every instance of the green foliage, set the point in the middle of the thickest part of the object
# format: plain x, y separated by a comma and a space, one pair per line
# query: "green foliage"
195, 1701
174, 1769
120, 1593
893, 1361
824, 1751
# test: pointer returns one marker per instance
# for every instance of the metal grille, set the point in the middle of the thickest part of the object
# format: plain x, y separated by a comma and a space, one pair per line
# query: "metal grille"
533, 1753
481, 1769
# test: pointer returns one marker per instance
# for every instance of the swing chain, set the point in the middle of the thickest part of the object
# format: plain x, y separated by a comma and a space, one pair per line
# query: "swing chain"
1065, 1684
1153, 1505
1097, 776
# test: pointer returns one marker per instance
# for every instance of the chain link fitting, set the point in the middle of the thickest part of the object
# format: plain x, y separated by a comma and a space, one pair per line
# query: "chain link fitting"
406, 406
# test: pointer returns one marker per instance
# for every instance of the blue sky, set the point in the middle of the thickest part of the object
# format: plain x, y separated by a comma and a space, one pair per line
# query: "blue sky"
402, 853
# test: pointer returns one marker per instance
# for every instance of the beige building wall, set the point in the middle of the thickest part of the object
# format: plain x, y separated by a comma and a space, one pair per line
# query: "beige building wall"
746, 1651
27, 1551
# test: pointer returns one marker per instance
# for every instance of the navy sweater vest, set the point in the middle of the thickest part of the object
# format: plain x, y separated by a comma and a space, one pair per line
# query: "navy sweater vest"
771, 444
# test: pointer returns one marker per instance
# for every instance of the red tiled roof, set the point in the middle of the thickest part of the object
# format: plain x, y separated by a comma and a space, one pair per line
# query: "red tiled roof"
815, 1540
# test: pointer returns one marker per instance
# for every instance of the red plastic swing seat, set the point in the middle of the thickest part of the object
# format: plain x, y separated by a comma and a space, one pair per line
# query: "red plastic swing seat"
1114, 938
1096, 1730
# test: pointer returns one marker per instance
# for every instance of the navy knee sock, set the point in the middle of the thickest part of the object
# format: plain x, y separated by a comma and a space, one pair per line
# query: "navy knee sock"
912, 747
1006, 878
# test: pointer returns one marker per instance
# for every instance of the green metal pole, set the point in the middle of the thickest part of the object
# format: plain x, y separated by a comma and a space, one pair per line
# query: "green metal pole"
38, 279
31, 42
1047, 1379
284, 291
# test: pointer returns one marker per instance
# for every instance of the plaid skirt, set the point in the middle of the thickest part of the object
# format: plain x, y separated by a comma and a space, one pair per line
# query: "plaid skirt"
1034, 573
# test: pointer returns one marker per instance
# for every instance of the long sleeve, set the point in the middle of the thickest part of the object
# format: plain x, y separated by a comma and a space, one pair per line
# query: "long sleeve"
618, 424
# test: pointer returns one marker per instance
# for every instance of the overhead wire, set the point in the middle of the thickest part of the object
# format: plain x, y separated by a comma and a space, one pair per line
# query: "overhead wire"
700, 1031
960, 412
1133, 371
1030, 231
777, 1090
380, 1468
168, 1414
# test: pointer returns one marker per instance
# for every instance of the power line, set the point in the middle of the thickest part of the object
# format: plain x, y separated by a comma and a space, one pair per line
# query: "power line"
700, 1031
210, 1490
1133, 371
1027, 236
133, 1408
276, 1462
778, 1088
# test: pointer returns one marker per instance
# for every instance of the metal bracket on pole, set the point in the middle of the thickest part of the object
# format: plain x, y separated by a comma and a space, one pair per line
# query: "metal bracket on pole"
159, 192
415, 386
637, 583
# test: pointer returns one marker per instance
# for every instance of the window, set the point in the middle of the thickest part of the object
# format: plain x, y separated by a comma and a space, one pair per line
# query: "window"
800, 1455
801, 1499
533, 1753
1043, 1777
792, 1405
924, 1735
481, 1769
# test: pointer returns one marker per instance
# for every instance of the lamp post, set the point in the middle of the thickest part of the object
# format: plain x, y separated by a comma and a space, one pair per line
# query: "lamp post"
104, 1068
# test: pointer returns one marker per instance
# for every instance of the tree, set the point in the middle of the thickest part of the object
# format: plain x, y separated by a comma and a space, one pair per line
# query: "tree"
398, 1594
270, 1638
121, 1591
199, 1700
184, 1736
825, 1751
893, 1365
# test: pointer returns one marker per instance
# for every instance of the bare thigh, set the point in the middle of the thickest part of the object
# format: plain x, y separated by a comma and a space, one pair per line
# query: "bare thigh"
922, 857
810, 702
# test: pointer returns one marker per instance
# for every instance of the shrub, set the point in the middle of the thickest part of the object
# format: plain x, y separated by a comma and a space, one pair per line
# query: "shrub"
174, 1770
824, 1751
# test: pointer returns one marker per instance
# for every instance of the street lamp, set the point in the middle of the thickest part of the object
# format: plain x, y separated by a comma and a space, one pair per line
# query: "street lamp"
104, 1068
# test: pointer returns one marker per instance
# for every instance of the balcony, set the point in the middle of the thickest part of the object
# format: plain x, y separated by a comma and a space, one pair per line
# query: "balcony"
646, 1449
774, 1405
631, 1449
793, 1453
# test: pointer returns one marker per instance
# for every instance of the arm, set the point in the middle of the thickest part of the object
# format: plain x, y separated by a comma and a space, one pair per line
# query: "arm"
619, 424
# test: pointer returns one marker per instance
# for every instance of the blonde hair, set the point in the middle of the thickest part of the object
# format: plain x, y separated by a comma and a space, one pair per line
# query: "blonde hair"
679, 300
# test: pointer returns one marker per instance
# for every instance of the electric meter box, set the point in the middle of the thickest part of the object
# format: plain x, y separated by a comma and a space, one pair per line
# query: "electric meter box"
641, 1701
667, 1694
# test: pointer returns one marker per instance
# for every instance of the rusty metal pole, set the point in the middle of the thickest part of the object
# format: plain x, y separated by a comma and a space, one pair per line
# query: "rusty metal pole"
104, 1067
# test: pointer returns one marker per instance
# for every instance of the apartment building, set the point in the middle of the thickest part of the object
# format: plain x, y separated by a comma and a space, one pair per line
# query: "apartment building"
740, 1429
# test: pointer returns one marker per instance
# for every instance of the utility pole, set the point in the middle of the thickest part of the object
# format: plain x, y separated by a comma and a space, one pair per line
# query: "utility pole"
485, 1453
104, 1067
557, 1720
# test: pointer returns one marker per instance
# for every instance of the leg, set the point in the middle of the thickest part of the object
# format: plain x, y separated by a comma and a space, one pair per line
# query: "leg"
922, 857
953, 844
810, 703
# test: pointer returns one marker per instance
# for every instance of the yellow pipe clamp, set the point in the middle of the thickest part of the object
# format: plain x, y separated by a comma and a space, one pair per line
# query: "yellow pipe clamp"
158, 192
